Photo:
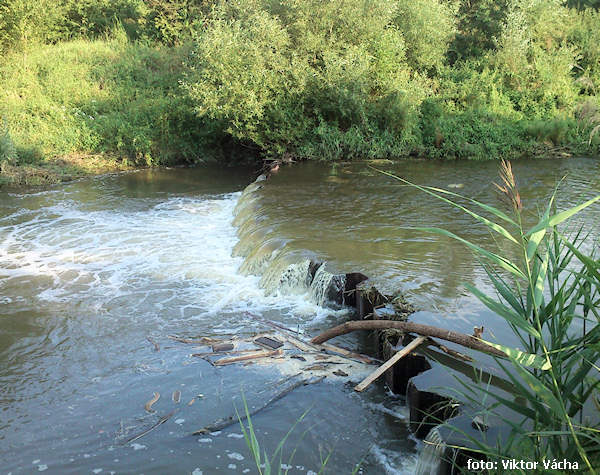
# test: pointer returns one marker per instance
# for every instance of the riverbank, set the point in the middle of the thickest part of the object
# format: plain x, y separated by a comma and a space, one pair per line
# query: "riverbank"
58, 170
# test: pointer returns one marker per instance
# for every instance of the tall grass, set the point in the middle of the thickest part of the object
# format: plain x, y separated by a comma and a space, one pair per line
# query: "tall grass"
550, 298
101, 96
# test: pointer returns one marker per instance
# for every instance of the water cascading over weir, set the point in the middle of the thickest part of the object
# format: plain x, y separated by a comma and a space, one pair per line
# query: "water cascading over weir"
279, 268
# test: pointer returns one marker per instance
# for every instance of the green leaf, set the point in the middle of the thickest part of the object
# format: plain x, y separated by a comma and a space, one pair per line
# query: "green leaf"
521, 357
560, 217
540, 281
536, 238
541, 390
505, 291
533, 243
508, 314
495, 258
591, 265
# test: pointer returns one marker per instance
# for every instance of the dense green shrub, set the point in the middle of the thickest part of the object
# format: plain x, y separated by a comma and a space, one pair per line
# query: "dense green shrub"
535, 57
428, 27
470, 134
323, 79
8, 151
479, 23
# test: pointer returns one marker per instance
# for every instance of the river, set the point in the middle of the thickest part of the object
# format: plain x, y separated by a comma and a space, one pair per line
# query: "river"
94, 271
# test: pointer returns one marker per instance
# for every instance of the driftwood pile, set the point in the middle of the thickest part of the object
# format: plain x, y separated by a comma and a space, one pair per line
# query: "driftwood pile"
313, 360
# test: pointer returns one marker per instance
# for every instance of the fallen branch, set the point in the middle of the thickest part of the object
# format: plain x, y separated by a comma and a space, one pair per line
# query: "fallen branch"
148, 405
235, 418
156, 347
347, 353
448, 351
162, 420
389, 363
201, 341
221, 353
467, 341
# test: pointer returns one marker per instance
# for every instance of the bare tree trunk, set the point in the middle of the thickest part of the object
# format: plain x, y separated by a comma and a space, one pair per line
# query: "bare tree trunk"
467, 341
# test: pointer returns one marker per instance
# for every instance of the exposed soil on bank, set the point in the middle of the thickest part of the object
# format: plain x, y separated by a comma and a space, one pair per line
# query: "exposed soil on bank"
59, 169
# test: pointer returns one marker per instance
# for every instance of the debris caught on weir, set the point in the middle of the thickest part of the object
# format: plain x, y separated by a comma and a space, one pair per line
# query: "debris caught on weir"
468, 341
389, 363
250, 356
160, 421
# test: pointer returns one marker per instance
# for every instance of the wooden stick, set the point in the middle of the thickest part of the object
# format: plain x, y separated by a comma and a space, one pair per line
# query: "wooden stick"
389, 363
347, 353
156, 347
221, 353
202, 341
162, 420
235, 418
252, 356
467, 341
448, 351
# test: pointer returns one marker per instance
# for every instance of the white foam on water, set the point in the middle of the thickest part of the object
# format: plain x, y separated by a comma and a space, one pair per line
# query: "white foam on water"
393, 463
173, 258
380, 407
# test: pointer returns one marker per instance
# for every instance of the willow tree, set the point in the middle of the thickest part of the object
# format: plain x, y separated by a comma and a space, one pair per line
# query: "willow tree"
321, 79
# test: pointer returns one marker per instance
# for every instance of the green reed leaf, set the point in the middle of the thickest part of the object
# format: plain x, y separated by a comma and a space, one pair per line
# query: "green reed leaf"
505, 291
521, 357
560, 217
508, 314
540, 281
495, 258
543, 392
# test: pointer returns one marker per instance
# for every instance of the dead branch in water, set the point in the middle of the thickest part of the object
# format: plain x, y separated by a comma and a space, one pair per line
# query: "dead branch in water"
252, 356
156, 347
201, 341
235, 418
468, 341
162, 420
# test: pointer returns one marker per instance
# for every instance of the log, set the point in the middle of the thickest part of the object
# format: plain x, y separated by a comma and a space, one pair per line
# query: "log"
389, 363
251, 356
467, 341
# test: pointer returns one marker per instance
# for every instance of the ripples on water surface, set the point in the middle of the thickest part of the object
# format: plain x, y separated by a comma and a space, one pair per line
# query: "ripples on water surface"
89, 269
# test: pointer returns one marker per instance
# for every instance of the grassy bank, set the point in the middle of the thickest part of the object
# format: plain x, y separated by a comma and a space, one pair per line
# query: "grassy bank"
86, 106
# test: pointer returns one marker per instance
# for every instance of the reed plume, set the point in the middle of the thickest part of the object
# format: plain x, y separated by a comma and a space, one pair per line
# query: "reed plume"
509, 194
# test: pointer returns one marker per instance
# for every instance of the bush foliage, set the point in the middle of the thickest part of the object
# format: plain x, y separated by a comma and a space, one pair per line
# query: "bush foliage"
172, 80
